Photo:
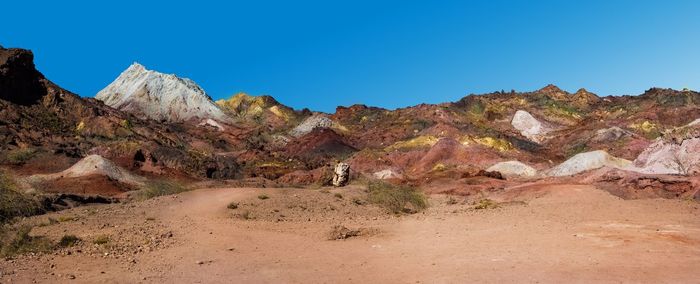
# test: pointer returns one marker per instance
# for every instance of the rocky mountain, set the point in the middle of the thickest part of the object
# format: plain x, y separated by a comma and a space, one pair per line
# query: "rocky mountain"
154, 124
46, 129
162, 97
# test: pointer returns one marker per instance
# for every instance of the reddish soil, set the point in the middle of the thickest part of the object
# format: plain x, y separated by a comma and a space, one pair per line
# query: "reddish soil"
538, 233
88, 185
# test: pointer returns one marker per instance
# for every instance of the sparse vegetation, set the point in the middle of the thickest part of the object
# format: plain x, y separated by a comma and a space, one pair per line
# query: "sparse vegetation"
417, 142
68, 241
161, 188
451, 201
19, 241
397, 199
19, 156
80, 127
232, 205
649, 129
14, 203
246, 215
62, 219
477, 108
339, 232
486, 204
488, 141
420, 124
50, 221
263, 197
101, 240
338, 195
51, 121
438, 167
125, 123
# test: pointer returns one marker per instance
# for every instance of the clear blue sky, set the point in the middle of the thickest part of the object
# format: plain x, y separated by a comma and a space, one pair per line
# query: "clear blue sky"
382, 53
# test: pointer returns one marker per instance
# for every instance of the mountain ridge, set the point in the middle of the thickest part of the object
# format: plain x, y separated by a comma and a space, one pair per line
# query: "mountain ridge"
160, 124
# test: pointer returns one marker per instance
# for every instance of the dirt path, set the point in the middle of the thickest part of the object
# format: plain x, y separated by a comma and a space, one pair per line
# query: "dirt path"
571, 234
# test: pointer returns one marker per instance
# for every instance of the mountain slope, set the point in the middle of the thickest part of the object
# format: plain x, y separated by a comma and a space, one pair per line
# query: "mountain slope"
163, 97
45, 128
263, 110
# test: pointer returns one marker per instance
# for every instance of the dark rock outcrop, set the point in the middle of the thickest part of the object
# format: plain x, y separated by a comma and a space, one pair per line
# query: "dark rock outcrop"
20, 82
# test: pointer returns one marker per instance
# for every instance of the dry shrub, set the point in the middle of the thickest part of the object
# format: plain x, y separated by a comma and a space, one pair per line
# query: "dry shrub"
14, 241
101, 240
160, 188
397, 199
68, 241
13, 203
19, 156
486, 204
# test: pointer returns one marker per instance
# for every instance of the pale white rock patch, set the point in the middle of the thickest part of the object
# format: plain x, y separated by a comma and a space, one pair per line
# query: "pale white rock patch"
680, 155
212, 123
513, 169
278, 140
158, 96
694, 123
386, 174
664, 157
311, 123
587, 161
529, 126
95, 165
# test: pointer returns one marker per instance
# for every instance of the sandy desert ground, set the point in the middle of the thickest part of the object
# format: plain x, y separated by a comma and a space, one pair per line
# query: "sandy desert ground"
547, 234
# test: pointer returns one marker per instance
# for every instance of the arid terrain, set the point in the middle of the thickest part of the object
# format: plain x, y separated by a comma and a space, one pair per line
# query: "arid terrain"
152, 181
557, 233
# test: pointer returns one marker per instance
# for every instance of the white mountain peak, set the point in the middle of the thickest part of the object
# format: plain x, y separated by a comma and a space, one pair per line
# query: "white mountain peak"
135, 68
165, 97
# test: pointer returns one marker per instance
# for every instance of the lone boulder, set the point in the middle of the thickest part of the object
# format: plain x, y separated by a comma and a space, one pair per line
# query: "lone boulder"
341, 174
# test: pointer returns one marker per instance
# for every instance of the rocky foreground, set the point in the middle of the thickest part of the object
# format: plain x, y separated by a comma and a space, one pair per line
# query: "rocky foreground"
536, 233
